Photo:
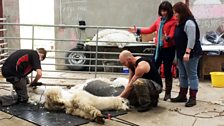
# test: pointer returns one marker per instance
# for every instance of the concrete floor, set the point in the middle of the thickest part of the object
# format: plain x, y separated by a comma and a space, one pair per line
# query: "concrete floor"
209, 111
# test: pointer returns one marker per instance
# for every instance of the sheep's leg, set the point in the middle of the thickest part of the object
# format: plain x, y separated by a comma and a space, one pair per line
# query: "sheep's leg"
77, 103
92, 111
79, 112
89, 110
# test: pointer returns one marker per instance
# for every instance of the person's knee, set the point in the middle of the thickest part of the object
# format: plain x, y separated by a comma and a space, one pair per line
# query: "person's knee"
138, 82
193, 77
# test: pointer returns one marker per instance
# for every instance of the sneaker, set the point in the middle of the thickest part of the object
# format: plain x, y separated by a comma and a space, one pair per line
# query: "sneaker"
166, 97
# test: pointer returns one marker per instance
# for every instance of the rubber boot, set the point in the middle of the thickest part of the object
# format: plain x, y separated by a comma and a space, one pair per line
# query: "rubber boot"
143, 96
168, 83
181, 97
192, 100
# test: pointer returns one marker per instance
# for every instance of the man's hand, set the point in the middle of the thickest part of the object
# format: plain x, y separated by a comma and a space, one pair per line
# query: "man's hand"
33, 84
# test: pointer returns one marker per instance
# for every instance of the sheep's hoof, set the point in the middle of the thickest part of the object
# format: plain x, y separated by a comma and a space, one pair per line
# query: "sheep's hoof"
99, 120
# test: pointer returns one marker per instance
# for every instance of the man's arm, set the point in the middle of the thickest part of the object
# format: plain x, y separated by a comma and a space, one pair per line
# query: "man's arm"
38, 75
131, 74
142, 68
128, 87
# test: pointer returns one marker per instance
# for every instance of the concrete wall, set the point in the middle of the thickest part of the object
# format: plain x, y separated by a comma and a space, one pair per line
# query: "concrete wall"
125, 13
142, 13
11, 13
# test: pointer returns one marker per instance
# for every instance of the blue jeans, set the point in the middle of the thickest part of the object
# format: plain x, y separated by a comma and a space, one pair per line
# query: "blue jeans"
188, 73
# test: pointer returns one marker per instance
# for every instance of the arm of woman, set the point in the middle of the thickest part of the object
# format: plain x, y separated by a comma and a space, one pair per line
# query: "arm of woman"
148, 30
190, 29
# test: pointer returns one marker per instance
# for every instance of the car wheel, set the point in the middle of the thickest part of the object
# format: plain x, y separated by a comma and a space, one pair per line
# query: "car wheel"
75, 60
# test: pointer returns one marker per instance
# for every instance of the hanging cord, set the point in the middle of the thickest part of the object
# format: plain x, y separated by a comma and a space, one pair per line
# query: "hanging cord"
7, 117
39, 105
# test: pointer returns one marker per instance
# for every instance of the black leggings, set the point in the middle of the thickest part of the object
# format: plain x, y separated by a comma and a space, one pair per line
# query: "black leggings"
166, 56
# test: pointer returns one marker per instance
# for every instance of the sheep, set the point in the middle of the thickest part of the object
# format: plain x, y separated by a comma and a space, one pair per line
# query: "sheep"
81, 103
78, 101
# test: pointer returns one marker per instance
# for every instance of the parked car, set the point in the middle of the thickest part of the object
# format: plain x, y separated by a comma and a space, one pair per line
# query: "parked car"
108, 43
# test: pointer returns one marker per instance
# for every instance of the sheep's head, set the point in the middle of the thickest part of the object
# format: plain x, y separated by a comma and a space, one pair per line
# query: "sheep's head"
124, 104
53, 99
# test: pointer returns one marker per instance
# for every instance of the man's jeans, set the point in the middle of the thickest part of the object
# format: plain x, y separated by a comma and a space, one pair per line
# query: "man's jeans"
188, 73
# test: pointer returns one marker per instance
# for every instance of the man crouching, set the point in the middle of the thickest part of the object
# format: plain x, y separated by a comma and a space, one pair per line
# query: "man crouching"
145, 83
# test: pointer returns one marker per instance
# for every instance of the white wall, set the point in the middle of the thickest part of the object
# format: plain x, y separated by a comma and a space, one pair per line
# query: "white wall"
36, 12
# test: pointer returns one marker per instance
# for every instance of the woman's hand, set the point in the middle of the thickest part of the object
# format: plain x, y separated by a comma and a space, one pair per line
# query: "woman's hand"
133, 29
186, 57
164, 36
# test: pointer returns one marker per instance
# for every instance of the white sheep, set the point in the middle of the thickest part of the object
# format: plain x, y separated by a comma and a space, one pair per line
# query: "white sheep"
81, 103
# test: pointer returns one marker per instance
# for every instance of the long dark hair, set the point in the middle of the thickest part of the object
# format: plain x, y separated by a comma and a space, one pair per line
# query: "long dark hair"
166, 6
183, 11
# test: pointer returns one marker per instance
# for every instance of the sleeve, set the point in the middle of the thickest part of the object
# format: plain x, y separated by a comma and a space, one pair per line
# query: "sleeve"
172, 30
190, 29
149, 30
35, 61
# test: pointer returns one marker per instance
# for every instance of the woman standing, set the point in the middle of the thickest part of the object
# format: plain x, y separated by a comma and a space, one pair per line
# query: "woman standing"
164, 27
189, 50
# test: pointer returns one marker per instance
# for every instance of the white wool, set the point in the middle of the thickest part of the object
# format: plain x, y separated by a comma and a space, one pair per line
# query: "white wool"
36, 95
101, 79
120, 81
115, 37
79, 86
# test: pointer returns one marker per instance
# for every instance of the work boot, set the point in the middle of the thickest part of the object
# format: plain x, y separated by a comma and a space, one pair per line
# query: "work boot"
144, 108
21, 100
143, 96
181, 97
0, 104
27, 80
154, 100
168, 82
192, 100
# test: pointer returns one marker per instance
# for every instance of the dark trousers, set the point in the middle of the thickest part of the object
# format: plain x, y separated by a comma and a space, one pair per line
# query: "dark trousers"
166, 56
144, 92
20, 86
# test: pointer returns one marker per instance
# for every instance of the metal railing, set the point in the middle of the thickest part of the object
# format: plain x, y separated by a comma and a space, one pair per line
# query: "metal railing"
101, 59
